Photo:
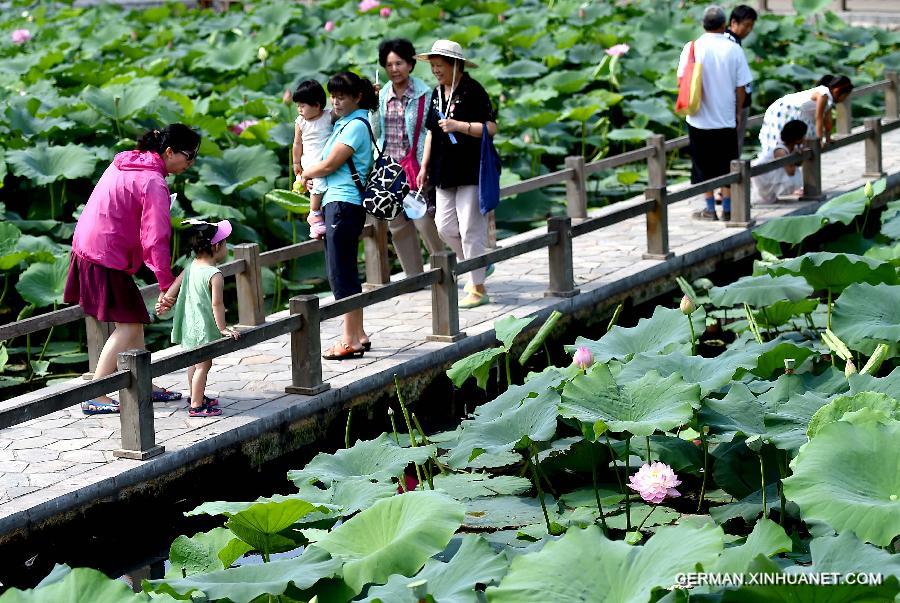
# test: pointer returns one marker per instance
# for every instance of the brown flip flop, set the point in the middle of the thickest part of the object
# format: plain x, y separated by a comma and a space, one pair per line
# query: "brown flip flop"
346, 352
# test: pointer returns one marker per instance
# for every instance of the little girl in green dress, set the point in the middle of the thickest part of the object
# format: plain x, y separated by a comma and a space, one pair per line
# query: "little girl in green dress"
199, 313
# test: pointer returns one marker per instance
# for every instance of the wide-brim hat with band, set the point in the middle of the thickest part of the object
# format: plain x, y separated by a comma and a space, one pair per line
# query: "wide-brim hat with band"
446, 48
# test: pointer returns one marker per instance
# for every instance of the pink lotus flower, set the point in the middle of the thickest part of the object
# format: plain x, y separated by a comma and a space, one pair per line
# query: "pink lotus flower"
583, 358
329, 26
385, 12
526, 138
240, 127
654, 482
20, 36
618, 50
367, 5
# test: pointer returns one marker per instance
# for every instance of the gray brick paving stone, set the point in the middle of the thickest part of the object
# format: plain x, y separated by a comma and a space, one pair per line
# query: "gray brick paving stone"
12, 466
9, 480
75, 449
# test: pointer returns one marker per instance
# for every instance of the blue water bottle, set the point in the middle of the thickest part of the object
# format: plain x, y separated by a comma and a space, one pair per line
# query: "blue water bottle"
450, 134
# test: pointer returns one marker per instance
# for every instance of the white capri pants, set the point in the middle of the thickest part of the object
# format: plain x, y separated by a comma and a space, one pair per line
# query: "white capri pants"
461, 225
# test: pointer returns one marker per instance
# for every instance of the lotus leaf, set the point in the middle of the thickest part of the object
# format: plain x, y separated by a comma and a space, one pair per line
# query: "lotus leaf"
767, 538
866, 315
79, 585
633, 134
585, 497
45, 164
380, 459
678, 453
666, 331
347, 496
219, 211
845, 554
877, 407
637, 407
259, 524
760, 291
781, 312
844, 208
534, 420
10, 256
748, 508
508, 328
239, 168
846, 476
584, 561
502, 512
790, 229
710, 374
453, 582
205, 552
245, 583
478, 364
739, 413
119, 101
462, 486
394, 536
889, 385
230, 57
641, 514
289, 201
835, 271
42, 284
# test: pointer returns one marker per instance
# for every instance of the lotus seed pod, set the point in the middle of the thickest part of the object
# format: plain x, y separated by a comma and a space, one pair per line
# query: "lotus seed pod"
850, 369
870, 192
687, 305
789, 366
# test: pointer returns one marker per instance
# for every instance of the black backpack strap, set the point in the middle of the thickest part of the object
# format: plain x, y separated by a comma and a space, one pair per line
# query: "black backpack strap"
354, 174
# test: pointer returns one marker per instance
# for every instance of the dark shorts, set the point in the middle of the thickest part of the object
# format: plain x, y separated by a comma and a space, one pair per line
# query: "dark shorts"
343, 226
711, 152
106, 294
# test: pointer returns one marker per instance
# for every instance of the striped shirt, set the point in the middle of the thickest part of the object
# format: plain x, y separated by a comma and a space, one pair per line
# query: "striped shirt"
396, 142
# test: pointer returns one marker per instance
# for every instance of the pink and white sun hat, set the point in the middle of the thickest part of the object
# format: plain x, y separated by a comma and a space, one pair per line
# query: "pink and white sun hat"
223, 230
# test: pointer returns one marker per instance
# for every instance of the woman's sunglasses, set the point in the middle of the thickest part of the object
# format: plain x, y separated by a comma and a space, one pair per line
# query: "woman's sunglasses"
189, 155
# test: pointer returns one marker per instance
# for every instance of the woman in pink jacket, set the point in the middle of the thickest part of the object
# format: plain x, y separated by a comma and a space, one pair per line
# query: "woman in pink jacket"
126, 224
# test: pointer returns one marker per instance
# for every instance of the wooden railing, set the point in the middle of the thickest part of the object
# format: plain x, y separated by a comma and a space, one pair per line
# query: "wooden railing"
133, 379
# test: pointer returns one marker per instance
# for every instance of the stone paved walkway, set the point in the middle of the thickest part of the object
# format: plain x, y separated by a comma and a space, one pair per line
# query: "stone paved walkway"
53, 462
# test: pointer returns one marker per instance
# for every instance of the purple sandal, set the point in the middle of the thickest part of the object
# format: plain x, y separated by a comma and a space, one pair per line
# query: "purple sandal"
95, 407
165, 395
211, 402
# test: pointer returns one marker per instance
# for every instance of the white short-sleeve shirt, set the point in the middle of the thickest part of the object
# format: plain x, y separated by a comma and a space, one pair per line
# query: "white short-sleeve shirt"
724, 68
314, 134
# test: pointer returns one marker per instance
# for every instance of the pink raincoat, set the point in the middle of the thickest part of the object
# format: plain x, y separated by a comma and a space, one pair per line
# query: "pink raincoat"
126, 220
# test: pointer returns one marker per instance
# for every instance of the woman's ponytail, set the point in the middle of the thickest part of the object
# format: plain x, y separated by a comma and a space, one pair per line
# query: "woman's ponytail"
351, 84
178, 137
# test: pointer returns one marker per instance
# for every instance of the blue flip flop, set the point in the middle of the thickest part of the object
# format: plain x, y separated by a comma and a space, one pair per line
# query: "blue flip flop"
95, 407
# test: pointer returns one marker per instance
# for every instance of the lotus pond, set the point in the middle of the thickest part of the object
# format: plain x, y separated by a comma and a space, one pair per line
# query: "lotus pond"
613, 478
79, 84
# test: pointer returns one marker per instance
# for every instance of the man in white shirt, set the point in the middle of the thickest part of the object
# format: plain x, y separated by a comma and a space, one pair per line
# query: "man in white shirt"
713, 128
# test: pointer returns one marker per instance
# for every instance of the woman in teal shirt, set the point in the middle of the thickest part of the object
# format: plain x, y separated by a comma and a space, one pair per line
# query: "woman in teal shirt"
341, 211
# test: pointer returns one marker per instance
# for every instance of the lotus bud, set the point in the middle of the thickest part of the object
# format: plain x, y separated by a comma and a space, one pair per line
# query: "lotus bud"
501, 18
893, 497
850, 369
687, 305
329, 26
385, 12
581, 13
390, 411
870, 192
583, 358
262, 54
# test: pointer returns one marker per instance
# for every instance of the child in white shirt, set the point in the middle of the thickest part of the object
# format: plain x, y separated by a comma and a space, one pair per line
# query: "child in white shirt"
311, 130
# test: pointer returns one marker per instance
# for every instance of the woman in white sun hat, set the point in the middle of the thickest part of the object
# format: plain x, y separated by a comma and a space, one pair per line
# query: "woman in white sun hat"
458, 112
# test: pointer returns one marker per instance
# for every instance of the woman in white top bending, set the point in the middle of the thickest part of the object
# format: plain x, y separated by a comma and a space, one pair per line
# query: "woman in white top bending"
812, 107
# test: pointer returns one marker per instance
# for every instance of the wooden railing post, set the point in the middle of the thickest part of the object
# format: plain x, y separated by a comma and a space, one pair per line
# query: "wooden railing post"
892, 96
97, 334
845, 116
812, 171
306, 349
656, 163
762, 5
375, 247
740, 195
562, 276
136, 408
873, 148
576, 189
444, 300
657, 225
250, 298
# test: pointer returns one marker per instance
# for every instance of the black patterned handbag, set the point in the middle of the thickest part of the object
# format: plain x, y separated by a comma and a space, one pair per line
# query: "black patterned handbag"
386, 185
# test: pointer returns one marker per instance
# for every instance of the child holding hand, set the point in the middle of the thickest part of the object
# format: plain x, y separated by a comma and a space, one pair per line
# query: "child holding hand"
199, 312
311, 130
